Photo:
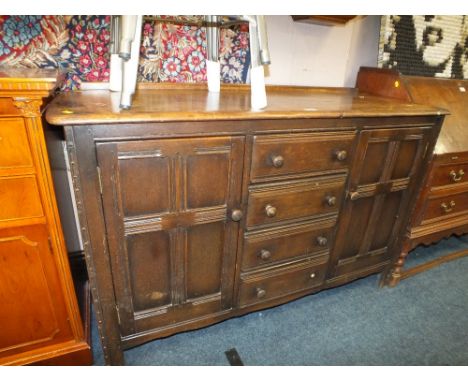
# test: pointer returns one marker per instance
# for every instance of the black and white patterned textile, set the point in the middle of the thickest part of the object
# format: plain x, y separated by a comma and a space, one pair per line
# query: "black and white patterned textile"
430, 46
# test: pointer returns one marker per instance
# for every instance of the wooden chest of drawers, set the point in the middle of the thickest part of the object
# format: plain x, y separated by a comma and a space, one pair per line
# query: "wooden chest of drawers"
192, 215
442, 206
39, 316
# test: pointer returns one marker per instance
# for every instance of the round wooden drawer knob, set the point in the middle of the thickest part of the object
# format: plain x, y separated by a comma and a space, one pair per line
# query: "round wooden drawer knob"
322, 241
265, 254
261, 292
312, 275
270, 211
341, 155
236, 215
277, 161
331, 200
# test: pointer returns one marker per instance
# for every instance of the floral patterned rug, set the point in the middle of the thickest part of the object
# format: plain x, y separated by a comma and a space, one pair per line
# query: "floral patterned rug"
430, 46
80, 46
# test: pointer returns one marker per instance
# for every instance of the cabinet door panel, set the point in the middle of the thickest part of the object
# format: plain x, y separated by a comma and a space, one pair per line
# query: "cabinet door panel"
359, 217
144, 183
204, 245
387, 220
377, 197
205, 188
374, 159
33, 310
172, 247
407, 152
151, 285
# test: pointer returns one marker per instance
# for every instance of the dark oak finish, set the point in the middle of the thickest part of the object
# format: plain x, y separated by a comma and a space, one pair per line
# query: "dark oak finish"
279, 244
255, 287
39, 316
275, 203
442, 206
192, 215
301, 155
165, 206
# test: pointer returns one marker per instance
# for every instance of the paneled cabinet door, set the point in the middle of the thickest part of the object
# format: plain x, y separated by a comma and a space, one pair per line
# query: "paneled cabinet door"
377, 197
168, 205
33, 313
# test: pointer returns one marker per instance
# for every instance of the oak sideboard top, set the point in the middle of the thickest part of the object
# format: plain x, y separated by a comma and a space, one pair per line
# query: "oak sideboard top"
158, 103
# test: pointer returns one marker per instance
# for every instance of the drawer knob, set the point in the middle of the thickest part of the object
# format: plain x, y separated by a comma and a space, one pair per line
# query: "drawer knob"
448, 207
322, 241
236, 215
312, 275
277, 161
331, 200
261, 292
270, 211
457, 177
341, 155
265, 254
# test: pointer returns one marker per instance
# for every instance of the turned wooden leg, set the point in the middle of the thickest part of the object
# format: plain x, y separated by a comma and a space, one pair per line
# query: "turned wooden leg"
394, 275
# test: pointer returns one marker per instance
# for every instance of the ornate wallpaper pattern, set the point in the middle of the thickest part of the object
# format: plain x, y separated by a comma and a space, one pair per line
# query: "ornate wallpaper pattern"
431, 46
80, 46
177, 53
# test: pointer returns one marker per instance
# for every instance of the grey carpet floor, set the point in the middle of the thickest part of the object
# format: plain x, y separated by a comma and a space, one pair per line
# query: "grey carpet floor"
423, 321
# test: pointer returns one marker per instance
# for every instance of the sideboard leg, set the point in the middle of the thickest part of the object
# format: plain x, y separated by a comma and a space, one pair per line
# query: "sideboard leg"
394, 275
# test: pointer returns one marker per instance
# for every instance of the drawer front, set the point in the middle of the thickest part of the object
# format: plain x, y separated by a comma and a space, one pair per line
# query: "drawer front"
450, 174
446, 206
14, 144
19, 199
280, 244
267, 286
295, 155
294, 200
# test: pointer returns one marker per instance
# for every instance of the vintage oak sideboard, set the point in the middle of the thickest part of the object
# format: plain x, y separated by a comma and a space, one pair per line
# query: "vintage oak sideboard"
39, 316
195, 209
442, 206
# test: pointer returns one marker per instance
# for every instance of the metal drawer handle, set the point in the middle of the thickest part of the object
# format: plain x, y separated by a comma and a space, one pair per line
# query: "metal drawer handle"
270, 210
457, 177
277, 161
353, 195
446, 208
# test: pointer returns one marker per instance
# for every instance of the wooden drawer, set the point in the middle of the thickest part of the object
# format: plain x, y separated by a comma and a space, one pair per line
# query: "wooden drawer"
446, 205
265, 286
450, 174
14, 144
283, 243
296, 155
19, 199
279, 202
